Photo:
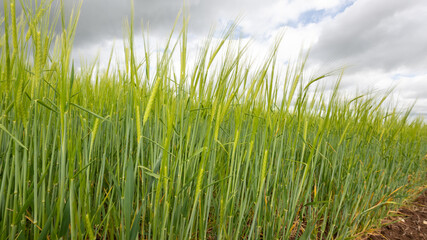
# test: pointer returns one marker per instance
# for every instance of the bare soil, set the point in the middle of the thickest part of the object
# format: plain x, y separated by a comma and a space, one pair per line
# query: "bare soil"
410, 222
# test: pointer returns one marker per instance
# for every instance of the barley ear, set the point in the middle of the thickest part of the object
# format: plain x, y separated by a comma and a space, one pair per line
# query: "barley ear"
151, 101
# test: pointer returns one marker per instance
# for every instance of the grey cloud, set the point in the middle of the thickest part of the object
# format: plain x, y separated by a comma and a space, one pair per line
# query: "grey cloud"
378, 34
103, 19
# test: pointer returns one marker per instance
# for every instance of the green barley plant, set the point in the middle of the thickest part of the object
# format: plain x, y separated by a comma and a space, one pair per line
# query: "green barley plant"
222, 149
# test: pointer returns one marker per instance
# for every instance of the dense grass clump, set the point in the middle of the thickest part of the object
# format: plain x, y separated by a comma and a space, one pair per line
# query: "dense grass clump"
216, 150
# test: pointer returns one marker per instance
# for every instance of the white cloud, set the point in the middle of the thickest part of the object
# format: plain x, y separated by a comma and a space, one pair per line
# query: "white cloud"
382, 42
379, 34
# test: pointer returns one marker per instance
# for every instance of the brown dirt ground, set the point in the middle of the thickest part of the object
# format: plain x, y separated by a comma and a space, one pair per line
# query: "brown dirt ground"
410, 222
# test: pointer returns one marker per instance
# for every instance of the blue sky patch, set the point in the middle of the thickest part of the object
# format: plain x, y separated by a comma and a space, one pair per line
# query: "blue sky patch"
317, 15
311, 16
403, 75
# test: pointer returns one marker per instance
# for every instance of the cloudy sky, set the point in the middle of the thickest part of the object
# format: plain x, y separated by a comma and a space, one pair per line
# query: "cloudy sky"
382, 43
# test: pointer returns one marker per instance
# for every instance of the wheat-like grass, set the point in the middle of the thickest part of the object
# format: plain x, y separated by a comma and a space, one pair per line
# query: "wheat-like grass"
222, 151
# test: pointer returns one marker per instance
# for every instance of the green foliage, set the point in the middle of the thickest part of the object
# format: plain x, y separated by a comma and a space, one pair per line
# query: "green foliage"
224, 150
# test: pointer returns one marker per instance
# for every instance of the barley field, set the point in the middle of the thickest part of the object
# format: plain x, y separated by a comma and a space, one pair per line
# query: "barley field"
164, 149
